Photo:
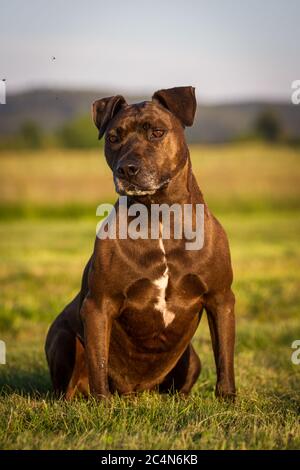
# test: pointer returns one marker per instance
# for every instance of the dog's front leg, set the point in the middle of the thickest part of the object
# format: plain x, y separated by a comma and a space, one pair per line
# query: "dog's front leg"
97, 322
221, 319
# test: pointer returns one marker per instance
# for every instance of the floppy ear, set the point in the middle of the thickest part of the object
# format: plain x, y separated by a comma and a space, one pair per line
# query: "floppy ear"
104, 110
181, 101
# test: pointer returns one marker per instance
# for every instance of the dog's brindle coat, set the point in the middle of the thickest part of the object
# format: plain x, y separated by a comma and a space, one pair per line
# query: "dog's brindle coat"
131, 325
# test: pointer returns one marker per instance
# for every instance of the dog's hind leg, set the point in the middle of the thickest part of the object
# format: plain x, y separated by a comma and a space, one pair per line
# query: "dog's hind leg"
60, 349
184, 375
79, 381
60, 352
193, 372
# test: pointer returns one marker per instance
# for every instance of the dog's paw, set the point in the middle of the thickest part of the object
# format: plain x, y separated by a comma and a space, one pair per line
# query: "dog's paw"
225, 392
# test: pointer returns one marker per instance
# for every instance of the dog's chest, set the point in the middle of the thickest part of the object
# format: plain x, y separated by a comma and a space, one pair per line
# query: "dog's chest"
159, 291
162, 300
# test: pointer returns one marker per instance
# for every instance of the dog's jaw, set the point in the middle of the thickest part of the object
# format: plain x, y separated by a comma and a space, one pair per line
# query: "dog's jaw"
133, 190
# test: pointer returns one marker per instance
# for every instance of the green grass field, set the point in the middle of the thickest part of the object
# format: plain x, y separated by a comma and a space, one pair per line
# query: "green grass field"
47, 207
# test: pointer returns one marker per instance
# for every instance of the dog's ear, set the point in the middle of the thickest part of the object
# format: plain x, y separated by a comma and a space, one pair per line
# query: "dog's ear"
181, 101
104, 110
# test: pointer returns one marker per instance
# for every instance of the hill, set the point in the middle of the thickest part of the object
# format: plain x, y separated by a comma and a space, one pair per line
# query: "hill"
214, 123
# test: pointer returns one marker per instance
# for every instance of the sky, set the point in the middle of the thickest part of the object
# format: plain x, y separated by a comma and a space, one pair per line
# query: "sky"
228, 49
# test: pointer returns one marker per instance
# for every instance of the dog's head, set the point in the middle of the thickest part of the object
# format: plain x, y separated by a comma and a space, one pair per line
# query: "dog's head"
144, 143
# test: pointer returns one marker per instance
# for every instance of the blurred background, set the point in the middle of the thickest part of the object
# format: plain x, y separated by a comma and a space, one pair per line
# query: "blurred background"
56, 58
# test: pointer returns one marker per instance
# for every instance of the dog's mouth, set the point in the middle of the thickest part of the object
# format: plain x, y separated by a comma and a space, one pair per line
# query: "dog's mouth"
125, 188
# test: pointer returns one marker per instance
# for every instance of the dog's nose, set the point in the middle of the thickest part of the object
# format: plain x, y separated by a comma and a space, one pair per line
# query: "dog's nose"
127, 170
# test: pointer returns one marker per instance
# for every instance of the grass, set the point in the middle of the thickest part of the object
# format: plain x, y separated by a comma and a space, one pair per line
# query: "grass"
233, 177
254, 190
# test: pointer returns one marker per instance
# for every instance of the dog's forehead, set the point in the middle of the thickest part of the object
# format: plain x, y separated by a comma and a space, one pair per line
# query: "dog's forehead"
145, 111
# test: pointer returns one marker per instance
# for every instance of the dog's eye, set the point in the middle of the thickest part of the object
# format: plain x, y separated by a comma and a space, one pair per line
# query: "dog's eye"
157, 133
113, 138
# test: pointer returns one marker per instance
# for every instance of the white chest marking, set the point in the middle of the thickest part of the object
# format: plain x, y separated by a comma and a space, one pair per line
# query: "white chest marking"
162, 283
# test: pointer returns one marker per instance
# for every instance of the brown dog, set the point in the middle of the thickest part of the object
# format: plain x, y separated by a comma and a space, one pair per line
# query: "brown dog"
131, 325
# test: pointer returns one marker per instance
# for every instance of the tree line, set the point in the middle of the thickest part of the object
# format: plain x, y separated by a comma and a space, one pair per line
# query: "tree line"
80, 133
